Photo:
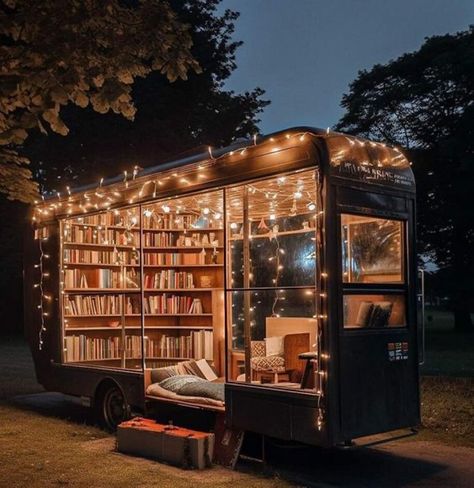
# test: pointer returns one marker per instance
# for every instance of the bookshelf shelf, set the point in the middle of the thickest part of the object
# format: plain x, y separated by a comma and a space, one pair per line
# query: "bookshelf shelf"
280, 233
148, 229
136, 290
139, 315
137, 327
187, 230
98, 246
102, 265
180, 248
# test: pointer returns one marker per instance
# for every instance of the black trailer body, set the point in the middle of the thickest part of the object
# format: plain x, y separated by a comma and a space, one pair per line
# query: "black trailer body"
363, 352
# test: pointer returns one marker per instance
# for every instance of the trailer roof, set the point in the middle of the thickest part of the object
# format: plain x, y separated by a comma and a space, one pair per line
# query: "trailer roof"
293, 148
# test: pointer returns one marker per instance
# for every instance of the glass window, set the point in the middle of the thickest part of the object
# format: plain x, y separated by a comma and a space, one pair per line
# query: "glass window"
271, 229
372, 250
101, 285
374, 311
183, 244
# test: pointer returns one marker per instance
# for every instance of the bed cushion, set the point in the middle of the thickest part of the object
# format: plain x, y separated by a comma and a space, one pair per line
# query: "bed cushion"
189, 385
205, 389
155, 390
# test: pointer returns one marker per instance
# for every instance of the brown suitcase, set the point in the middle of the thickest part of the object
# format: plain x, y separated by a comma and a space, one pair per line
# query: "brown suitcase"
174, 445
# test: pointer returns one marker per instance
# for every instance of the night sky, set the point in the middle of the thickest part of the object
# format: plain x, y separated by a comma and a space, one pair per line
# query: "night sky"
304, 53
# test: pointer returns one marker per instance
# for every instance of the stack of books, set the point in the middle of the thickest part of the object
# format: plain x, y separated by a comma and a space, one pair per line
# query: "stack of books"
172, 304
169, 279
173, 259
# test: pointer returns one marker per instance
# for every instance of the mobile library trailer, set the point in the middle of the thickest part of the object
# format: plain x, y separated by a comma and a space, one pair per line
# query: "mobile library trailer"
272, 282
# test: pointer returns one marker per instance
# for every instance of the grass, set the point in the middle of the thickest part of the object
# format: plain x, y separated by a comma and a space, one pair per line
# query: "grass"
447, 353
47, 448
41, 450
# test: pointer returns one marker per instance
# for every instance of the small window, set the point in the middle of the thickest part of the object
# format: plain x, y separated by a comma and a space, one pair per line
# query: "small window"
374, 311
371, 249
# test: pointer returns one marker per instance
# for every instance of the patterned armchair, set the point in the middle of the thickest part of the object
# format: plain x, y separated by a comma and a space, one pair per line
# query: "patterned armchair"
288, 362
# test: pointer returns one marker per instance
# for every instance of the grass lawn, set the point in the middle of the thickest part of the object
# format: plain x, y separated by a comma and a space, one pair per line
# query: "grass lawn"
43, 448
447, 353
40, 449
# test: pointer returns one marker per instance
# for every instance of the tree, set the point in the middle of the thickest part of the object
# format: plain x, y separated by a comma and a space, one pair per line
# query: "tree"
424, 101
82, 52
171, 118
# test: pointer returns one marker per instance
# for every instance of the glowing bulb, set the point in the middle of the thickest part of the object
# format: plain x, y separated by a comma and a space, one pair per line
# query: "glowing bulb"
205, 211
298, 194
272, 217
147, 213
311, 206
233, 225
217, 216
166, 209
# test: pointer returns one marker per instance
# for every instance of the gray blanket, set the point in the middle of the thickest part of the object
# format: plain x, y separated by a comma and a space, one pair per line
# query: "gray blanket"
189, 385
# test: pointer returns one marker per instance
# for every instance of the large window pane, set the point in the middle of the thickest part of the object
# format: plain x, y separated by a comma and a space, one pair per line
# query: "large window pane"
271, 229
372, 250
101, 285
280, 214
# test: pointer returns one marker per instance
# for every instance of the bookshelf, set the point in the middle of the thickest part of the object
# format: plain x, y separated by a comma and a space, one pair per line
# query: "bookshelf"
156, 268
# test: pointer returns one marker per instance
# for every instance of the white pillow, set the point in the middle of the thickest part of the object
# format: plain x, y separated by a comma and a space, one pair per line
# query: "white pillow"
274, 346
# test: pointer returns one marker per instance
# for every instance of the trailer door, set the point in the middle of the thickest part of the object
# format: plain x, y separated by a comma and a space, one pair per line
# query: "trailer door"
377, 335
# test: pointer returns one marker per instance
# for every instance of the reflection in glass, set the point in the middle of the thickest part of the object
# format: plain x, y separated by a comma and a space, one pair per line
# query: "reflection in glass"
371, 249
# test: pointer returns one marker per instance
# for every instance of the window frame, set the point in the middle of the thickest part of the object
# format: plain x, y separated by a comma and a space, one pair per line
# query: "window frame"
347, 288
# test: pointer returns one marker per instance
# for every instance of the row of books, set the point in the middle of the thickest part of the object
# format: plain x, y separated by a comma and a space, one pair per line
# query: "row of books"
91, 235
159, 239
86, 256
109, 218
100, 305
197, 345
100, 278
84, 348
168, 221
170, 259
169, 279
172, 304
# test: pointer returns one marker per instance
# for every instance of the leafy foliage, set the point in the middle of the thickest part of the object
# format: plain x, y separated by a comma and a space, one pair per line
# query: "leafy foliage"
425, 102
81, 52
171, 118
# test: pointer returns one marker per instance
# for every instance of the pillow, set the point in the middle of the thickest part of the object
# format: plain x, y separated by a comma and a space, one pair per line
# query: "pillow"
159, 374
190, 385
175, 383
363, 316
274, 346
380, 314
204, 389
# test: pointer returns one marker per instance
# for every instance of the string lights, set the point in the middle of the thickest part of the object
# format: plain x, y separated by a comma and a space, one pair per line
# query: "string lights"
41, 235
133, 188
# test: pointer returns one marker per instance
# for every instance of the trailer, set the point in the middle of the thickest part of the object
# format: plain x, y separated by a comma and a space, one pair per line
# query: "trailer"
280, 272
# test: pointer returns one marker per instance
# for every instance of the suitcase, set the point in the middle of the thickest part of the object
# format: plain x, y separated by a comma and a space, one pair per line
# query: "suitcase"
174, 445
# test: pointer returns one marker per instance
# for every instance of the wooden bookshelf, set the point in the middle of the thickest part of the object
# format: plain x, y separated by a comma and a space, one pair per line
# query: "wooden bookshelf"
109, 335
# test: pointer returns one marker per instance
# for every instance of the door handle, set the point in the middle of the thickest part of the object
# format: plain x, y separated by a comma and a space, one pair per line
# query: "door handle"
421, 300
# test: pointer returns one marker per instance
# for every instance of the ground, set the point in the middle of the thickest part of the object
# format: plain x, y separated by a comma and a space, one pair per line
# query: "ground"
48, 440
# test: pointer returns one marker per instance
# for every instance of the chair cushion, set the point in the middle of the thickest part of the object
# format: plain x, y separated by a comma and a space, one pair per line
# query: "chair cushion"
275, 364
274, 346
257, 348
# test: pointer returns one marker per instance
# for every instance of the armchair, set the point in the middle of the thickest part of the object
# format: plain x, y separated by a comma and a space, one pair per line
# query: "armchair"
286, 363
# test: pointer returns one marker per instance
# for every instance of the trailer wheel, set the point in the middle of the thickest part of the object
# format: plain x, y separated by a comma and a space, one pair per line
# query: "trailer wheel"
111, 406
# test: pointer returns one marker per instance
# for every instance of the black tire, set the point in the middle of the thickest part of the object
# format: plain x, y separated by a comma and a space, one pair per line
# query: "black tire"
111, 407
